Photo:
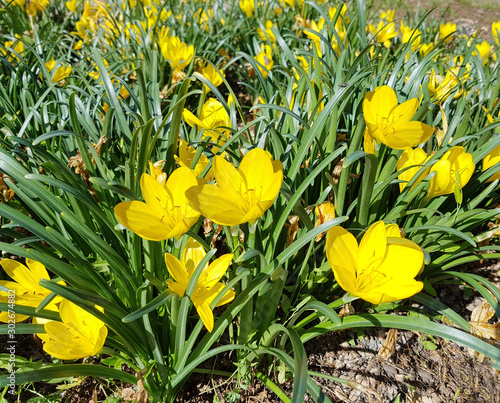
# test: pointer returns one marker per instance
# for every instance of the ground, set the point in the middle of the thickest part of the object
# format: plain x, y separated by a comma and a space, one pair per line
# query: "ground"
477, 14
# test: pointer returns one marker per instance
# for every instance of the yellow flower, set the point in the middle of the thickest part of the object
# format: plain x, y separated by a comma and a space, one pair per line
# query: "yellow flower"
411, 157
177, 53
388, 15
441, 88
495, 31
208, 285
454, 169
33, 7
27, 290
265, 60
291, 3
491, 159
411, 34
248, 7
186, 158
426, 48
79, 335
324, 212
389, 123
18, 48
166, 212
482, 51
60, 73
268, 33
381, 269
213, 116
241, 195
447, 29
213, 75
71, 5
384, 32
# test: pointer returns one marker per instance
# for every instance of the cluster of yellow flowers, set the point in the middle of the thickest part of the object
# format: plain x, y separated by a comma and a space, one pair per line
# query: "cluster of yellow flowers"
390, 124
32, 7
79, 335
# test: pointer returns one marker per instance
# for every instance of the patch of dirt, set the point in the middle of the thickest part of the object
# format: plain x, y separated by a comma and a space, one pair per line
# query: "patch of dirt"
448, 373
467, 14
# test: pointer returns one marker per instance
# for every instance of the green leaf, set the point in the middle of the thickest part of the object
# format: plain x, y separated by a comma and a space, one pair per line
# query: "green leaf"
63, 371
23, 328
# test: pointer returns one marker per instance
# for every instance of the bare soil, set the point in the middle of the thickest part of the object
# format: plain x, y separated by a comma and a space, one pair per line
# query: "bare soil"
469, 15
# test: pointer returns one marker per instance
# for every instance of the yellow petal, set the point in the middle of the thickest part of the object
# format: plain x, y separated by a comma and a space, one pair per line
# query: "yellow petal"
383, 101
143, 221
440, 182
192, 120
205, 313
466, 168
227, 297
212, 202
228, 178
178, 271
192, 255
255, 168
177, 184
154, 194
342, 255
372, 248
368, 142
24, 275
176, 288
408, 135
391, 291
404, 112
404, 259
216, 270
392, 231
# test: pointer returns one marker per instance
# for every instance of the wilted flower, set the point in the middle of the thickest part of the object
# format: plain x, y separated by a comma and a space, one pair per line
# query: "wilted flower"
491, 159
240, 195
410, 157
79, 335
265, 60
157, 172
453, 170
208, 285
6, 193
165, 213
389, 123
27, 290
324, 212
447, 30
381, 269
